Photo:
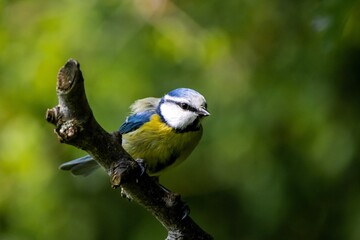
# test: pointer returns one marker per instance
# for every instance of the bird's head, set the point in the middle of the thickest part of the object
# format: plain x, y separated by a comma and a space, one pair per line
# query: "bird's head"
183, 109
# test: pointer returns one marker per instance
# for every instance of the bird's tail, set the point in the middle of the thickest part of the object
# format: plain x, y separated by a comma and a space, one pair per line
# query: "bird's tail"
80, 166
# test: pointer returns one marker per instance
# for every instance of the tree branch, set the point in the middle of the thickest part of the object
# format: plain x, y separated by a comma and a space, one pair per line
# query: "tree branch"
76, 125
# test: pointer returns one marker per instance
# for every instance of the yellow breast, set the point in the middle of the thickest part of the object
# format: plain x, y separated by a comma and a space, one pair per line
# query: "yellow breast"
159, 145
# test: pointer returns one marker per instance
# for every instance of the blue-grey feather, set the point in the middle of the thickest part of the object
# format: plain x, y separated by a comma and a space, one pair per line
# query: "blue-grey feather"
183, 92
81, 166
135, 121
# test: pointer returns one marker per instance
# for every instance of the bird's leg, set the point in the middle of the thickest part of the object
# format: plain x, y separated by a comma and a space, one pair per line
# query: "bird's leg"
186, 211
143, 166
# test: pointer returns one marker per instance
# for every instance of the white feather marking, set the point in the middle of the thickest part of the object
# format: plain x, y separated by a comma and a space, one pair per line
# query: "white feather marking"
177, 117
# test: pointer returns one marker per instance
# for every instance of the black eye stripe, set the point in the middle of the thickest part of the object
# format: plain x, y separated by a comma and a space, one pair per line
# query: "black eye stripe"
183, 105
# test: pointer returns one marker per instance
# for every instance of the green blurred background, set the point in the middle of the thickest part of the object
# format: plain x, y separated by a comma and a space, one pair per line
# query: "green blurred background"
280, 154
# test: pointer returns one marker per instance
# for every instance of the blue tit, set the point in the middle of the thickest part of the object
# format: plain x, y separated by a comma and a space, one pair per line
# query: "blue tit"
160, 131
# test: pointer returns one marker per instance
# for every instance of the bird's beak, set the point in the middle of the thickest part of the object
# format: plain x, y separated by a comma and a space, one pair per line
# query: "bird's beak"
203, 112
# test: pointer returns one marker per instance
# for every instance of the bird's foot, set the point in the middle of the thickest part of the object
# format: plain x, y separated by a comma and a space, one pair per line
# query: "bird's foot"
185, 211
143, 166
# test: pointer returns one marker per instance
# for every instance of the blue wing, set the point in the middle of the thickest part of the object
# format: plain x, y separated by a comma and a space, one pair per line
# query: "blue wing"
135, 121
142, 110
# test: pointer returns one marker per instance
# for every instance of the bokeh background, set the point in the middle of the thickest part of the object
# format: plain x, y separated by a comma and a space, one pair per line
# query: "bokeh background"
279, 158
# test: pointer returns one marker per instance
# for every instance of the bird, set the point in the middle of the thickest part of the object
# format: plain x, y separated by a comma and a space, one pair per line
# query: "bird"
162, 132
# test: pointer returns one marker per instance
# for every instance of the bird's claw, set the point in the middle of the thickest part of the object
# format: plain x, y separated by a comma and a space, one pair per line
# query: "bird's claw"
185, 211
143, 166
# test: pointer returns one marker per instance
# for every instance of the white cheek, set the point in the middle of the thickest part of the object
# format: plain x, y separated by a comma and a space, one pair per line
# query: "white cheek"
176, 117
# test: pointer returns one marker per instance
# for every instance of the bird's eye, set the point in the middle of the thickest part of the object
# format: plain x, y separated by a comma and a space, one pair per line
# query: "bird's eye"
184, 106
